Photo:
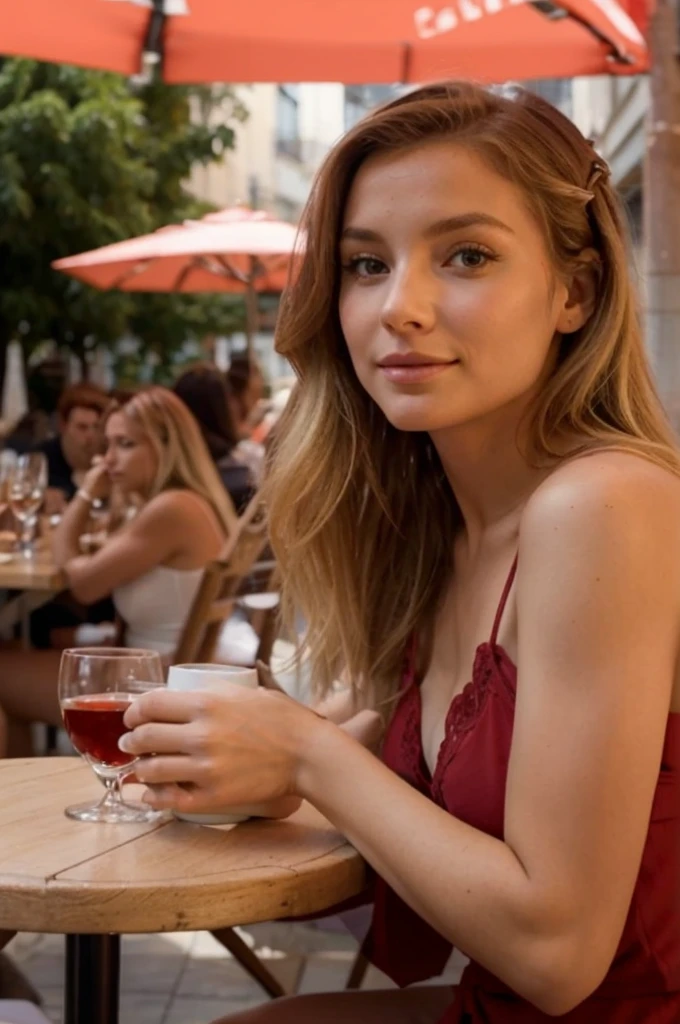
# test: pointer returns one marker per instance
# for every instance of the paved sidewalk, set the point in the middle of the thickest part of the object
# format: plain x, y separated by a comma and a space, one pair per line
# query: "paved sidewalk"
188, 978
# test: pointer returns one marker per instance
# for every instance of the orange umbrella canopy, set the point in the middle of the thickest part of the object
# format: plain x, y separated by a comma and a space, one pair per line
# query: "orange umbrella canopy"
233, 250
352, 41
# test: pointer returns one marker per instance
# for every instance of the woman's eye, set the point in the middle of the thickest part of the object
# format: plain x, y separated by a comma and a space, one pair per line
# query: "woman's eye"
471, 258
365, 266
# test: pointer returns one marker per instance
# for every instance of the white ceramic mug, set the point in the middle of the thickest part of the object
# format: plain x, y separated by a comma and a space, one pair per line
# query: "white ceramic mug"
213, 678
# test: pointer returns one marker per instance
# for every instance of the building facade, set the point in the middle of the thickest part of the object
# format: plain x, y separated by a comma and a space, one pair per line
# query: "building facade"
611, 111
278, 148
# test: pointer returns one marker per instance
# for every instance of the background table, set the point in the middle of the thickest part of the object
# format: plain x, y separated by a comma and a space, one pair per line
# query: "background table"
37, 579
37, 573
95, 882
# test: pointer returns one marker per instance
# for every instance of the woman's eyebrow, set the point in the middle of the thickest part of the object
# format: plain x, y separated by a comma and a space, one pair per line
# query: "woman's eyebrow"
440, 227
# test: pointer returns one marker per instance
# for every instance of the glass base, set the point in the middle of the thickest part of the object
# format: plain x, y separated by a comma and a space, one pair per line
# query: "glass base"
109, 812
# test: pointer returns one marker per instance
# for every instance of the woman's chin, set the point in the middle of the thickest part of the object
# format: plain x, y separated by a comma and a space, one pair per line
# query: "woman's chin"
416, 420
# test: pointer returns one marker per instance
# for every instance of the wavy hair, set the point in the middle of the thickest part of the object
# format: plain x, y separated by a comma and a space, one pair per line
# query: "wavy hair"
184, 461
361, 516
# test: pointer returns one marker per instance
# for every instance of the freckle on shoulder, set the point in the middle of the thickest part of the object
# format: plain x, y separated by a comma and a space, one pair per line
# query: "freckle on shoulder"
611, 482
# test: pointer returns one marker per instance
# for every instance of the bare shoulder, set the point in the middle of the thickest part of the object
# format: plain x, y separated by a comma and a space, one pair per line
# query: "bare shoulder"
611, 493
173, 508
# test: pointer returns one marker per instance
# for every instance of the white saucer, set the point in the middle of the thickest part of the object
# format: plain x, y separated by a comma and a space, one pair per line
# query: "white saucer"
5, 557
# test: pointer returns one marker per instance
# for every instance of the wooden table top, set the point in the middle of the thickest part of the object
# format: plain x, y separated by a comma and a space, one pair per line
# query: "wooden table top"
37, 573
64, 876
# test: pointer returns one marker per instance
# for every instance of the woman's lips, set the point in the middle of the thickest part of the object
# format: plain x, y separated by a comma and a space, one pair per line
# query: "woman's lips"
416, 372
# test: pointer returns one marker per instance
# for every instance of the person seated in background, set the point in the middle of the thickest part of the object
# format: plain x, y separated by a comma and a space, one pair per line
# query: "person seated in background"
246, 392
245, 384
204, 390
152, 565
69, 455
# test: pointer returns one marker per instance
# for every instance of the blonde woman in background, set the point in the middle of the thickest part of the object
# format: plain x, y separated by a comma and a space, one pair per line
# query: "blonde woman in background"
153, 564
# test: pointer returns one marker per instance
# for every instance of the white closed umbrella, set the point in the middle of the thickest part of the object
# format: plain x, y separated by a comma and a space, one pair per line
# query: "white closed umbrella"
14, 390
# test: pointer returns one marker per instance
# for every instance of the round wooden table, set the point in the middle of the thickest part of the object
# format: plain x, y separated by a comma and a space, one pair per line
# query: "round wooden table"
94, 883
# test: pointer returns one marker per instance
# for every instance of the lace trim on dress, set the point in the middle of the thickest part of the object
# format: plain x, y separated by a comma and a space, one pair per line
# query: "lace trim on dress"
465, 711
411, 747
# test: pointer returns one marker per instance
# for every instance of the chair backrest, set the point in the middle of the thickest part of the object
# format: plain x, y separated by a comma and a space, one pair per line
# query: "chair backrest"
223, 581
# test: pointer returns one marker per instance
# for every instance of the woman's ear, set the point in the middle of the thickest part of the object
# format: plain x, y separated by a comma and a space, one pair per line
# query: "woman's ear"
581, 293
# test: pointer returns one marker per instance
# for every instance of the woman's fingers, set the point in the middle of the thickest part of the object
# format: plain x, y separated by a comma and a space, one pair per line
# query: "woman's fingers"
161, 705
154, 738
169, 797
175, 769
266, 679
366, 727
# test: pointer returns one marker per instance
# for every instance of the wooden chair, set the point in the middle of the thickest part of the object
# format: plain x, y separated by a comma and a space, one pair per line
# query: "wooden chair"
223, 583
240, 570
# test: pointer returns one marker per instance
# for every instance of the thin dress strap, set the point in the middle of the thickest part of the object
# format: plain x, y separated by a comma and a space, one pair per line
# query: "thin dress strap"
504, 600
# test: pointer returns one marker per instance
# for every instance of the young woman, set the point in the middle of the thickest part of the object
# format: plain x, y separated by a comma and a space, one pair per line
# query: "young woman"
475, 503
153, 564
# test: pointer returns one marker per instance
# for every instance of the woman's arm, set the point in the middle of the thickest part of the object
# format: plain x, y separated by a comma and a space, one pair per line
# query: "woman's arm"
66, 537
158, 533
598, 614
543, 909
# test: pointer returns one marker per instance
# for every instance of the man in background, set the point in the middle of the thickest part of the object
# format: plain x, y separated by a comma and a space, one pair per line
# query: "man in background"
69, 455
80, 413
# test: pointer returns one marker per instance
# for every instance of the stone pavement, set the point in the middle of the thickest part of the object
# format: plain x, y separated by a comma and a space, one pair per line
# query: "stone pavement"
188, 978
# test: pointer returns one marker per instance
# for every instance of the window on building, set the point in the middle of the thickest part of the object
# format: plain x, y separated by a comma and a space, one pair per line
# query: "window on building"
555, 90
359, 99
288, 121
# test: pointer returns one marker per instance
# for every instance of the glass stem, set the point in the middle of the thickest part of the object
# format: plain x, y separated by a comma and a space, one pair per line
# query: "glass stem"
27, 537
113, 797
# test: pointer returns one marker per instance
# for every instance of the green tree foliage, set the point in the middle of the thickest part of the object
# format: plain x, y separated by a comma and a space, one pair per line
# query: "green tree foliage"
88, 158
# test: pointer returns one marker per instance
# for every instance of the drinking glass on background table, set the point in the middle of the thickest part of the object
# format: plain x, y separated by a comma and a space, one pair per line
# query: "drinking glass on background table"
96, 687
27, 486
7, 462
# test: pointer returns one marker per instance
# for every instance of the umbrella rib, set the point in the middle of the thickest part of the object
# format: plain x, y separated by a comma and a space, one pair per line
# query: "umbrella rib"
131, 272
548, 9
406, 62
232, 271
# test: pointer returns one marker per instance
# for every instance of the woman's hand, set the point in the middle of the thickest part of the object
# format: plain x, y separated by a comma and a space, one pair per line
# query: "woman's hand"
210, 750
365, 726
97, 482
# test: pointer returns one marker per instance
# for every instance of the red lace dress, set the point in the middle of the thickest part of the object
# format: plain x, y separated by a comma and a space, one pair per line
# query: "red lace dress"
643, 983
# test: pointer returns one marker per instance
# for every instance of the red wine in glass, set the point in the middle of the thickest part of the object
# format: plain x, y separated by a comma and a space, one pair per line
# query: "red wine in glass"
94, 723
96, 687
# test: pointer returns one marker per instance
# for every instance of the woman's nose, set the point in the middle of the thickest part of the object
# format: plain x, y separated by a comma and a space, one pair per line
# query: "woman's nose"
410, 304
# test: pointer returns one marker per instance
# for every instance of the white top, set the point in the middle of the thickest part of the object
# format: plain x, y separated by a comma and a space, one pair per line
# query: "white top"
155, 607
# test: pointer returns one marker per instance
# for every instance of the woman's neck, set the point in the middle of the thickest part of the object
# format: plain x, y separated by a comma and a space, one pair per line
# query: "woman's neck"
490, 473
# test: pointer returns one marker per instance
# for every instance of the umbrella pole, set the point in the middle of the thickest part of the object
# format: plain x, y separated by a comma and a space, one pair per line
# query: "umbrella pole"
662, 207
251, 310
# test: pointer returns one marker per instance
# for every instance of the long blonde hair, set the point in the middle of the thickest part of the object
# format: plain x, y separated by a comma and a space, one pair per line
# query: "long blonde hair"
361, 516
184, 461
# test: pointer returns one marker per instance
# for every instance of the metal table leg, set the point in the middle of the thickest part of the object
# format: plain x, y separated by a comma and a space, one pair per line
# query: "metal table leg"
92, 979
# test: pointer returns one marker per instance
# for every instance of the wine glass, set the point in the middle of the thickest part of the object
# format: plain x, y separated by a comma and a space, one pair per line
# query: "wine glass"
27, 486
96, 687
7, 463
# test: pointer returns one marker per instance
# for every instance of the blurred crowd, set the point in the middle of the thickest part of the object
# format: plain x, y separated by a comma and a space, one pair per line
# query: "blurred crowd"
142, 490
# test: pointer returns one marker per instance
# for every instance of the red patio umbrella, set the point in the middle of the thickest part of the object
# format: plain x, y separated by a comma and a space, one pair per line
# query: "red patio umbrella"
352, 41
233, 250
